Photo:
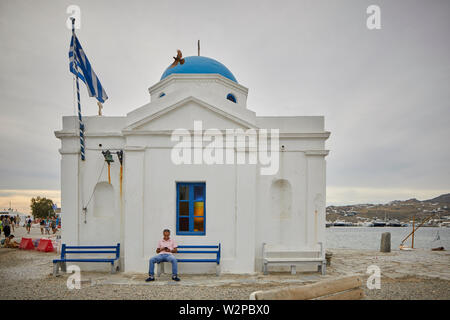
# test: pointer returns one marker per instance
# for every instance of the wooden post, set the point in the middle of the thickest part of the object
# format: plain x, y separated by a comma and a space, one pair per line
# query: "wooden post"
109, 173
341, 288
412, 239
385, 245
352, 294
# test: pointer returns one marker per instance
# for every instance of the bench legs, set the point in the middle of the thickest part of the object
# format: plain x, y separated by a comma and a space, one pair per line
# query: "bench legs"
62, 266
55, 269
322, 268
160, 268
217, 269
57, 266
293, 269
115, 266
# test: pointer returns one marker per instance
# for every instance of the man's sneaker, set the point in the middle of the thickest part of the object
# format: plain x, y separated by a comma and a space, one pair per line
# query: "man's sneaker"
175, 278
151, 278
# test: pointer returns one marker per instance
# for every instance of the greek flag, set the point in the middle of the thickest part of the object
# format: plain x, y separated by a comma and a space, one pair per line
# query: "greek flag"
85, 71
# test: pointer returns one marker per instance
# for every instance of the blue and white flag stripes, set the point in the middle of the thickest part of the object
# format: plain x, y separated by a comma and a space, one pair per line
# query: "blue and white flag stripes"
85, 71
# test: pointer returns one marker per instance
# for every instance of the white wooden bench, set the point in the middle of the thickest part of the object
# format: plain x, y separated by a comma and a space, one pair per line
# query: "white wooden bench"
282, 255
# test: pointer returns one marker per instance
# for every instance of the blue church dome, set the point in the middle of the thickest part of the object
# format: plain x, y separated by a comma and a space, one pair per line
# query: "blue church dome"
199, 64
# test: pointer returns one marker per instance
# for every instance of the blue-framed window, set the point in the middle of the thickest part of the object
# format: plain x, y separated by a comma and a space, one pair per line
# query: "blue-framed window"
191, 208
231, 97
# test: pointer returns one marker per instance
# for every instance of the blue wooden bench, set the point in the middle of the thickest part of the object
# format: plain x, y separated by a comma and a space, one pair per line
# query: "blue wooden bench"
198, 250
98, 250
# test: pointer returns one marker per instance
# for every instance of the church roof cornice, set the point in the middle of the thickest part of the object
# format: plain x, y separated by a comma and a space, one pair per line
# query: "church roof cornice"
197, 77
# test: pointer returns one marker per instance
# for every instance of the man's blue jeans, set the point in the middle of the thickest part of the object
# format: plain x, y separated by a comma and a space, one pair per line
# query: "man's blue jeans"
163, 257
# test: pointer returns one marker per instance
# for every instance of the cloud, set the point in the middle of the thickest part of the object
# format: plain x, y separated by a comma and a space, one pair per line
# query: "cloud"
384, 93
21, 199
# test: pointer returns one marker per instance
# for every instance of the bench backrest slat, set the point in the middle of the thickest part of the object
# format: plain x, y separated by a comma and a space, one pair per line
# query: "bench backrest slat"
216, 252
206, 247
89, 250
196, 251
91, 247
280, 251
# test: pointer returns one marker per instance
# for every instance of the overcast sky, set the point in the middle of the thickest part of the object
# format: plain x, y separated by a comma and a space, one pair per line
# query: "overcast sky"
385, 94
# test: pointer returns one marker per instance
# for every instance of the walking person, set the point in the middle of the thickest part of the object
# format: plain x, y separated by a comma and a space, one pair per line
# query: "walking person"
47, 226
53, 224
6, 226
28, 224
166, 247
13, 223
42, 225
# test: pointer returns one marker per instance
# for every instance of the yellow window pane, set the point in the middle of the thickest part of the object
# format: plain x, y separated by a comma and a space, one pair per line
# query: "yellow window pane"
198, 208
198, 224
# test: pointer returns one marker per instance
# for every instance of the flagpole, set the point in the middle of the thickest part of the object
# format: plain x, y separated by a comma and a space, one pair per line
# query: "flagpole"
80, 120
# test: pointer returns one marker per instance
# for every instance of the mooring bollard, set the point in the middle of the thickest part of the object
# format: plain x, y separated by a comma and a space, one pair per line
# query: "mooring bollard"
385, 245
328, 256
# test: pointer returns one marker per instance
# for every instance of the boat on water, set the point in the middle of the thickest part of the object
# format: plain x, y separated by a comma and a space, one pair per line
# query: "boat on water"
393, 223
379, 223
340, 223
367, 224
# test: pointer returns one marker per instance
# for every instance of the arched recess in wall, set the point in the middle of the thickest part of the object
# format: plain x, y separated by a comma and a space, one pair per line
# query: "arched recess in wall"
103, 200
281, 199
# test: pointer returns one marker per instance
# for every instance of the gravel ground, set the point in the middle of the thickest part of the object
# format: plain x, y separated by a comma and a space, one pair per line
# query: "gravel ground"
56, 289
27, 275
410, 288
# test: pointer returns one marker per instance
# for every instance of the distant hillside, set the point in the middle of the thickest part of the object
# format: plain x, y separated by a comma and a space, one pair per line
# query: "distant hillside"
403, 210
443, 198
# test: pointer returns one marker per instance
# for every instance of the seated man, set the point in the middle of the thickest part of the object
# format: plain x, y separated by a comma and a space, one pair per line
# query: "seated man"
10, 243
166, 247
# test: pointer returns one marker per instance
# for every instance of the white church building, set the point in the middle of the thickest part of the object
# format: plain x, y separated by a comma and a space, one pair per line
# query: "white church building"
240, 203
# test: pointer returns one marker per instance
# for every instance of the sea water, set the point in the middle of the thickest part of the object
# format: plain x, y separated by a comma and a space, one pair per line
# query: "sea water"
370, 237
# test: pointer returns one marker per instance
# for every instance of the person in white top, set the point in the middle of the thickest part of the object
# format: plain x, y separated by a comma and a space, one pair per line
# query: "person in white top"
28, 224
